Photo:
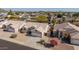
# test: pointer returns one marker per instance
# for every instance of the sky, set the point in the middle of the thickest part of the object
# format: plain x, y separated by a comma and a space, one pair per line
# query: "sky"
44, 9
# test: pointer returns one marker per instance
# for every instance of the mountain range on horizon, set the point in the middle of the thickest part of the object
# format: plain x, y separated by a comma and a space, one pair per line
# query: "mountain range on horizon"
43, 9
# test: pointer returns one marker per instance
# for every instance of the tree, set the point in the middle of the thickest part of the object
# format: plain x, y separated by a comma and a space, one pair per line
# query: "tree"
10, 12
17, 13
54, 22
12, 16
63, 19
41, 18
75, 15
59, 15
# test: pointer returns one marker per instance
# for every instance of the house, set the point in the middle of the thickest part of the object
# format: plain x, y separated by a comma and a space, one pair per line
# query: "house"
38, 28
15, 26
3, 15
3, 22
12, 26
34, 32
8, 28
75, 37
25, 16
72, 29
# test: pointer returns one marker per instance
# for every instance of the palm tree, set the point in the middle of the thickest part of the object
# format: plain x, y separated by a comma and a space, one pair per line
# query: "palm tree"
54, 22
